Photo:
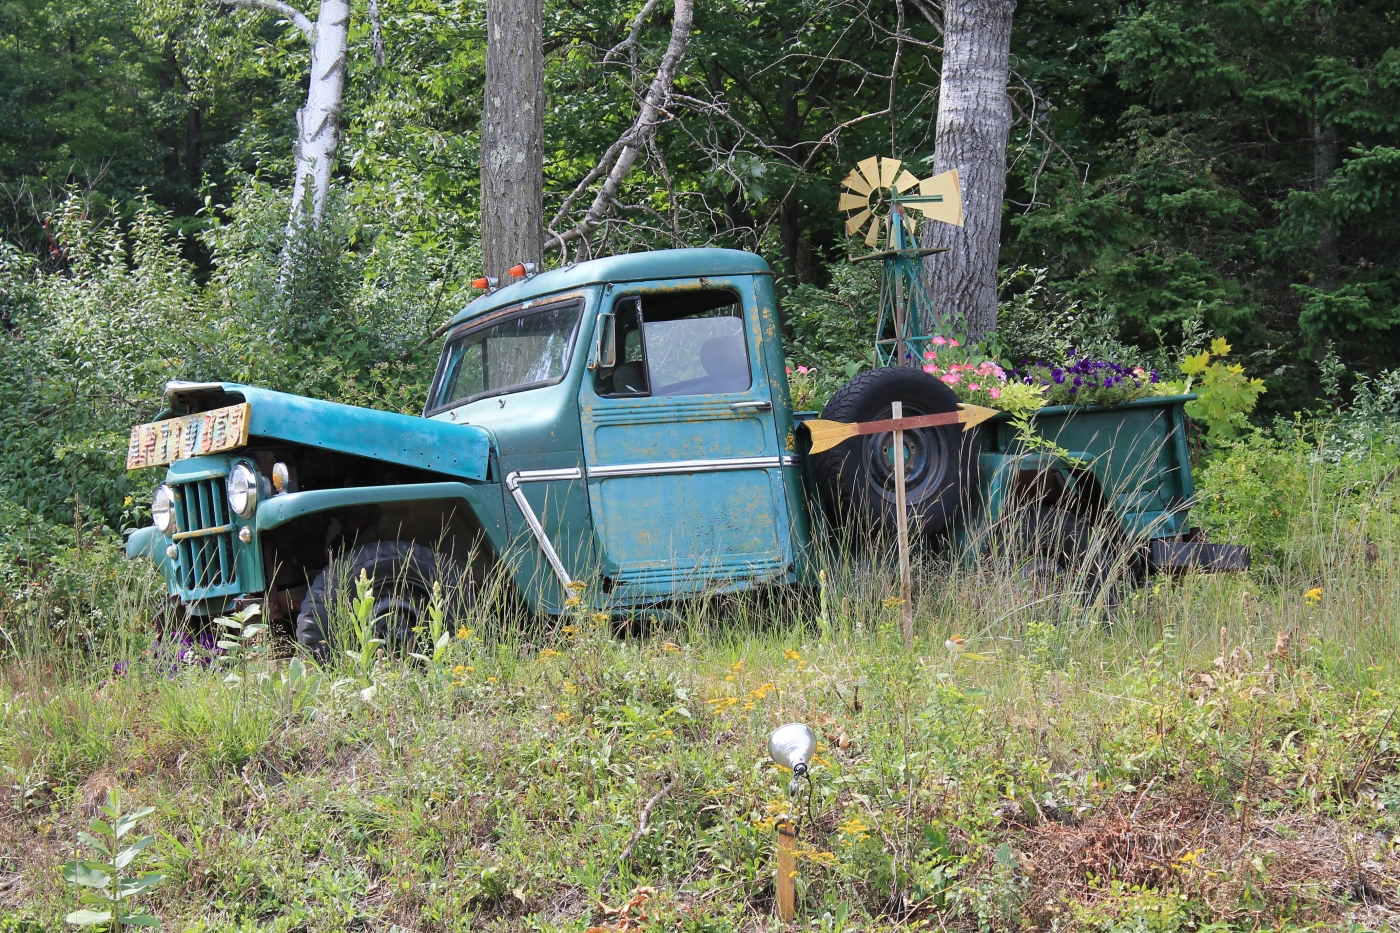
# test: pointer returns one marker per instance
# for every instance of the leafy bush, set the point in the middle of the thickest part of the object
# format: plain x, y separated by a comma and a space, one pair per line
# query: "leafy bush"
1300, 499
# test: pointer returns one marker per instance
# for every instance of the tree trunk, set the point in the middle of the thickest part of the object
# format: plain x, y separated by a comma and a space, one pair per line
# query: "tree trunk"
318, 123
974, 122
512, 136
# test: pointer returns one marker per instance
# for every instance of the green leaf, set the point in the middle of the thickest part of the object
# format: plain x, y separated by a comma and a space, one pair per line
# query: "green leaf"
125, 856
141, 920
93, 842
128, 822
89, 918
141, 883
87, 874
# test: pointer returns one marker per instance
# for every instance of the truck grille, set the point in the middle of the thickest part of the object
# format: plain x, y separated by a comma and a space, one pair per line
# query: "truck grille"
205, 541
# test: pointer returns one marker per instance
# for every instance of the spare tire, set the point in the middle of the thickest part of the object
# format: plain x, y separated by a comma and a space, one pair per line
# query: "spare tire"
857, 475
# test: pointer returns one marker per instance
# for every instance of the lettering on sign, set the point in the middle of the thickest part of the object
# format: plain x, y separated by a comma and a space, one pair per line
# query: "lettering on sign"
208, 432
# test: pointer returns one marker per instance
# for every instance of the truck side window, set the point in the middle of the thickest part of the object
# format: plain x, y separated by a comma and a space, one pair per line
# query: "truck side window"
695, 344
629, 376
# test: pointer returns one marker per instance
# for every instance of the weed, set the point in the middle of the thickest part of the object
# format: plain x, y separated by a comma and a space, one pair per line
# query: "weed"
112, 880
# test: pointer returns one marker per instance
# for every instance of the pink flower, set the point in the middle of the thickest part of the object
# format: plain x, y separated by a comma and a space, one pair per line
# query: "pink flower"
940, 341
930, 355
953, 343
996, 392
803, 370
973, 386
931, 369
789, 370
951, 378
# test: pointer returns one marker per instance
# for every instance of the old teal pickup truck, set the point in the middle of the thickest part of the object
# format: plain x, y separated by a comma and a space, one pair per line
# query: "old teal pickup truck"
624, 421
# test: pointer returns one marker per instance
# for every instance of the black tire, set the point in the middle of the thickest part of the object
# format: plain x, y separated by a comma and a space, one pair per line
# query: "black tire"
856, 476
1055, 550
403, 575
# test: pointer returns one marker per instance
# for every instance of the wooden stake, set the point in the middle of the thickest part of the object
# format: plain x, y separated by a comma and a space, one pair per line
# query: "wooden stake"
906, 612
787, 868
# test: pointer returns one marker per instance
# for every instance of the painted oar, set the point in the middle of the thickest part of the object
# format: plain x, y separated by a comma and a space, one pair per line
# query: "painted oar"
827, 434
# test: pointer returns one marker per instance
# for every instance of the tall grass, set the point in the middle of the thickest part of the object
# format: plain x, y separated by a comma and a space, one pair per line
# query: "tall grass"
1222, 715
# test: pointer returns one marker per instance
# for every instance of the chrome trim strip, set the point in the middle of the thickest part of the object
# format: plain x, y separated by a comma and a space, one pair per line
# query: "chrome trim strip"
200, 532
513, 481
666, 467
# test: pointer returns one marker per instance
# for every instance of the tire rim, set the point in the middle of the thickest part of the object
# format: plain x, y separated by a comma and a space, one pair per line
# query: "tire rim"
926, 459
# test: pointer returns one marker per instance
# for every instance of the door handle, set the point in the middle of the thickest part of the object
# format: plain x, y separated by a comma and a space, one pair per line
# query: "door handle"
753, 406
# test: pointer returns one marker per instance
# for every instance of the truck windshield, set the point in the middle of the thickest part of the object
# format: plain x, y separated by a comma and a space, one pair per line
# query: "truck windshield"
523, 351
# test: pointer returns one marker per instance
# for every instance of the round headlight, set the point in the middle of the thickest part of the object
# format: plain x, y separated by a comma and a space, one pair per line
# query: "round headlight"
243, 490
163, 509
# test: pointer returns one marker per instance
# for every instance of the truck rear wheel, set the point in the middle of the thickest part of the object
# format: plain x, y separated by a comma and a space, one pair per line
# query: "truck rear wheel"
857, 475
1055, 551
403, 575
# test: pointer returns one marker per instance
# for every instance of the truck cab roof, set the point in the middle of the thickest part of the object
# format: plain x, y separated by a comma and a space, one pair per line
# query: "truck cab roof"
630, 267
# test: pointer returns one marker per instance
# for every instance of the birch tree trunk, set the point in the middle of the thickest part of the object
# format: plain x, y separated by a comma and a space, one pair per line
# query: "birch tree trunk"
974, 122
318, 122
512, 136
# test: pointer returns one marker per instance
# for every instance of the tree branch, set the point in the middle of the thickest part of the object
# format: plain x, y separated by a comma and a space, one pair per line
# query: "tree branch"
284, 10
634, 34
651, 115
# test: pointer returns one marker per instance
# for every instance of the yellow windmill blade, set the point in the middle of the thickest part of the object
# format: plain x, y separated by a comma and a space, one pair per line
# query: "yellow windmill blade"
870, 170
905, 181
855, 223
872, 238
950, 211
853, 202
857, 183
889, 170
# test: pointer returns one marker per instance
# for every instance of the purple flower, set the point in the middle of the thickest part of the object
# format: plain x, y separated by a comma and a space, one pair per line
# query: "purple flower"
1078, 381
1059, 376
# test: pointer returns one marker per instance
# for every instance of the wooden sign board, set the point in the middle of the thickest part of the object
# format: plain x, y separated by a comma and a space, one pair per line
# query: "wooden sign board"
208, 432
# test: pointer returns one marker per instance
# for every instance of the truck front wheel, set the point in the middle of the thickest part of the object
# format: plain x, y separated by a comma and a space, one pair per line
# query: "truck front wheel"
402, 575
857, 475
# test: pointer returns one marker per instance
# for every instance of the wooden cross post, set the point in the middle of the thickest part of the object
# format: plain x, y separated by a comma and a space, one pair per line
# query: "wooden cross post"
906, 612
787, 868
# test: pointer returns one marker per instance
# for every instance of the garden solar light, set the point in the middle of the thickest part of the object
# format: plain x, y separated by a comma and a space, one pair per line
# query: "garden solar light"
791, 746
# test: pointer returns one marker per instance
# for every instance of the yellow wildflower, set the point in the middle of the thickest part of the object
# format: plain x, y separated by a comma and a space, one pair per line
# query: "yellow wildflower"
570, 688
578, 586
737, 666
564, 717
1313, 596
601, 618
671, 647
548, 653
465, 633
791, 655
573, 602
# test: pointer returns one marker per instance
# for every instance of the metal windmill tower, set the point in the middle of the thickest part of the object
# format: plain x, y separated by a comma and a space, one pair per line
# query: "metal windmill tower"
881, 192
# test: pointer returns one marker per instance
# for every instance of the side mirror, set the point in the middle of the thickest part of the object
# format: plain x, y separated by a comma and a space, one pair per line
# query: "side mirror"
605, 356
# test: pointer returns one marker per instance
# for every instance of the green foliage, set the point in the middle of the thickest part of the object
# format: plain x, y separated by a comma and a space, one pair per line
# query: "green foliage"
363, 629
111, 881
1225, 394
239, 641
1306, 494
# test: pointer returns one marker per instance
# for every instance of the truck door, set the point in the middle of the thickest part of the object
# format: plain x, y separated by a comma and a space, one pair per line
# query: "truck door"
680, 441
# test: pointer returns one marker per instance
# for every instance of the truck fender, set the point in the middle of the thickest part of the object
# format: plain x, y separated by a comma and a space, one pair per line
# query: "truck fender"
281, 510
147, 542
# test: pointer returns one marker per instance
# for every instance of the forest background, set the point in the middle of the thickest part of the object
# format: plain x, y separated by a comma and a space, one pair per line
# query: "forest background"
1176, 172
